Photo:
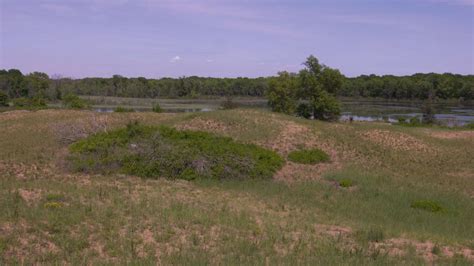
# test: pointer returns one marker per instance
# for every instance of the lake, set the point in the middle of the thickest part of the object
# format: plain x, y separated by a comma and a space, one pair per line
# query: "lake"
448, 113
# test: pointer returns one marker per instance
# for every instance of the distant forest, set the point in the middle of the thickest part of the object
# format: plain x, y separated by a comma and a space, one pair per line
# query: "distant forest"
15, 84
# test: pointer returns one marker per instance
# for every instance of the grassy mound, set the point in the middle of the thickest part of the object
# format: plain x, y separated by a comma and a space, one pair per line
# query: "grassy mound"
313, 156
165, 152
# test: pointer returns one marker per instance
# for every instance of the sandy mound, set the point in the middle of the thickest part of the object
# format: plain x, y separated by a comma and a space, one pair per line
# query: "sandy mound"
397, 141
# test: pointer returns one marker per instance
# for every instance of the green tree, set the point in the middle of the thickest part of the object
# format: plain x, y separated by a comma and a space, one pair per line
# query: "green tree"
316, 83
3, 99
16, 84
38, 84
281, 93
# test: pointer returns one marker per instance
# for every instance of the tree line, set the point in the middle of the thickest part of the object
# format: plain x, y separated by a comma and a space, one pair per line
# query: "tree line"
15, 84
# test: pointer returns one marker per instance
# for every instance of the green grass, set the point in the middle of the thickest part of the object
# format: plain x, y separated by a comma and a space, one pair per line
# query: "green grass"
118, 218
121, 109
313, 156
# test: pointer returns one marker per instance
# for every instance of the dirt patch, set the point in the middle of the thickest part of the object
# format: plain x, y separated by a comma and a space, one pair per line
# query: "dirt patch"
397, 141
203, 124
30, 196
294, 136
27, 244
302, 172
333, 230
453, 134
397, 246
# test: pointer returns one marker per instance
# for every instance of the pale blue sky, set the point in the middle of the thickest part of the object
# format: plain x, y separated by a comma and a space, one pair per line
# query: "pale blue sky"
156, 38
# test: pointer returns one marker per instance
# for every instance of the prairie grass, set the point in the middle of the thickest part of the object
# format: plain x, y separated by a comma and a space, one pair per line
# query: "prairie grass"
123, 219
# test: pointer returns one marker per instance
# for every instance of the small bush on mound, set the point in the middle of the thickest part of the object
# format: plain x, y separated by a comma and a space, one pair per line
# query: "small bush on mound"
120, 109
165, 152
346, 183
426, 205
313, 156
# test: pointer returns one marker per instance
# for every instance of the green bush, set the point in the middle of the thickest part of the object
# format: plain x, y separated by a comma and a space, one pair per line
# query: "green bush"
313, 156
157, 108
375, 235
303, 110
3, 99
426, 205
165, 152
120, 109
55, 197
73, 101
469, 126
326, 107
228, 104
346, 183
36, 102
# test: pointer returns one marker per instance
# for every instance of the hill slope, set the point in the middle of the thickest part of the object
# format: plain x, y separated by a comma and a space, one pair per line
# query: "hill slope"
369, 204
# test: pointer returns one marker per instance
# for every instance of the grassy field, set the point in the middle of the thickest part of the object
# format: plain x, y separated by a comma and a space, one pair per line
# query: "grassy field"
357, 208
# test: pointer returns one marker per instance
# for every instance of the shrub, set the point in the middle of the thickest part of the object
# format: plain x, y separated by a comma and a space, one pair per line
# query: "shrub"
228, 104
36, 102
313, 156
120, 109
346, 183
426, 205
157, 108
415, 121
402, 120
375, 235
326, 107
3, 99
469, 126
165, 152
55, 197
53, 205
73, 101
303, 110
436, 250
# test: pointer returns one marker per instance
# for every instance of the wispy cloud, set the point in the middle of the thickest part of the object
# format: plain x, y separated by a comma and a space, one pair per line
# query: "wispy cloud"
175, 59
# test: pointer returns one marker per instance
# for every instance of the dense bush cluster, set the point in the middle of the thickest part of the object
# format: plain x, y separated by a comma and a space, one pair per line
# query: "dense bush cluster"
4, 101
73, 101
165, 152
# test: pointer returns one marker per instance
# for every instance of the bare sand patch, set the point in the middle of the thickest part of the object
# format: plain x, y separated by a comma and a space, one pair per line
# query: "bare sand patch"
203, 124
30, 196
397, 141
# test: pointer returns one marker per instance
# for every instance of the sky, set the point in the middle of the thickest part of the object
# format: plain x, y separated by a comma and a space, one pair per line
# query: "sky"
232, 38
